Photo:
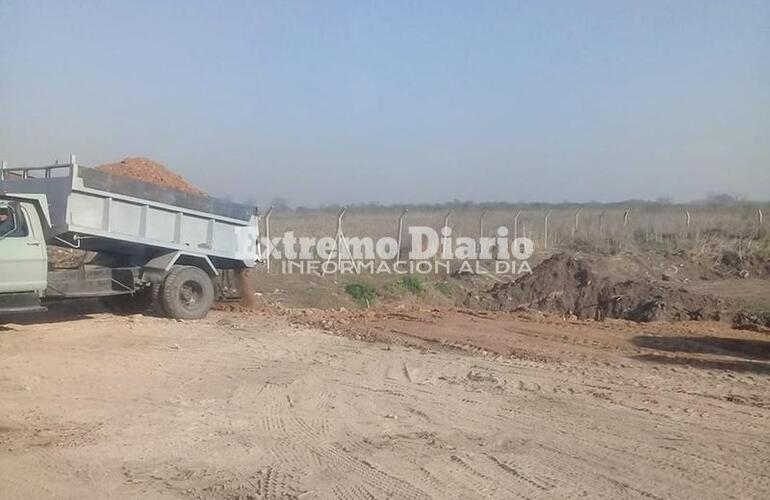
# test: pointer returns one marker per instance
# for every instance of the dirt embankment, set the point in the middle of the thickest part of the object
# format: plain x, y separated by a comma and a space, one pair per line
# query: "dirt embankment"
565, 285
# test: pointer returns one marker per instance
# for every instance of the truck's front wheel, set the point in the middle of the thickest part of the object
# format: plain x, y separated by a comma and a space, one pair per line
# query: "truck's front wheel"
187, 293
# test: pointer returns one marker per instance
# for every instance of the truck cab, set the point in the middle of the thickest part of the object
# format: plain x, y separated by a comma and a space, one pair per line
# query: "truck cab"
23, 256
152, 248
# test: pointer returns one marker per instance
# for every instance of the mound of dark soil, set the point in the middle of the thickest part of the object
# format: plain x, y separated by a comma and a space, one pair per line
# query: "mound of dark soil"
645, 301
758, 322
565, 285
560, 284
732, 264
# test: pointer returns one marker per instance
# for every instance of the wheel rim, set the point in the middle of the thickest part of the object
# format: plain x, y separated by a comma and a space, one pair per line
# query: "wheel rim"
190, 295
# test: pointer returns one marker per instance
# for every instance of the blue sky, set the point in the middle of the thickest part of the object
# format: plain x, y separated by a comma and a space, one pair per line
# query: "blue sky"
342, 102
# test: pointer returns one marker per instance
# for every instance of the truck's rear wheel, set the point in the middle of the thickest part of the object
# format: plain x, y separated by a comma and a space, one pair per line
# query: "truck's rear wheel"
187, 293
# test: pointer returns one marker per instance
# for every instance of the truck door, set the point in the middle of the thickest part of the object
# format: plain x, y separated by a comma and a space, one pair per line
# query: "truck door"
23, 257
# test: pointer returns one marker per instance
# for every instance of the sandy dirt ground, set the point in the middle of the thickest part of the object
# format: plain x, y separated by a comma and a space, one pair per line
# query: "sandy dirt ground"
257, 406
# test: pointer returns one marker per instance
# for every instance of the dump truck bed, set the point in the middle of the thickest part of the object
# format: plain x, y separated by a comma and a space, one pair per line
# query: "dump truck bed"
99, 211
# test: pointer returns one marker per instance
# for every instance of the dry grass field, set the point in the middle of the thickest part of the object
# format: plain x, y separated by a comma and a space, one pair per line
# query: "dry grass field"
652, 219
712, 229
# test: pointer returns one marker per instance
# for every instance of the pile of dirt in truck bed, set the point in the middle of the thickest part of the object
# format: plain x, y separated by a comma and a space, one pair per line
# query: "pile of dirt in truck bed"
146, 170
141, 169
565, 285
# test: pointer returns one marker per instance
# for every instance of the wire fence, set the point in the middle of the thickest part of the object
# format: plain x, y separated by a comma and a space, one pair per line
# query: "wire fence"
591, 228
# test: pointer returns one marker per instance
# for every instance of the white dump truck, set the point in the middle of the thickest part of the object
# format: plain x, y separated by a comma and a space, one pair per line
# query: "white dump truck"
153, 247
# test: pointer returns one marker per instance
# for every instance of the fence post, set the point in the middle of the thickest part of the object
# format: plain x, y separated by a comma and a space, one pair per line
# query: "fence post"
760, 218
577, 222
444, 235
481, 225
340, 243
601, 223
400, 231
516, 225
338, 236
545, 230
268, 241
687, 224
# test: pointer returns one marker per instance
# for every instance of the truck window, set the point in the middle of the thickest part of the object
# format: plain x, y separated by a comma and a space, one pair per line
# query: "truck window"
12, 223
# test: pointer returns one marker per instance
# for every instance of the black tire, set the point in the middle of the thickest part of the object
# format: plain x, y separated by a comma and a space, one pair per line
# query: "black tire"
135, 303
156, 300
187, 293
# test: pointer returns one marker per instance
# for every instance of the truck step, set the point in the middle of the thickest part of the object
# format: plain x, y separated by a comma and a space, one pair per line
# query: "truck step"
12, 303
21, 310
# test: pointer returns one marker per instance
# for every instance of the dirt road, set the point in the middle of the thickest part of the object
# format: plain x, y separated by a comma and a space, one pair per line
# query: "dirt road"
248, 406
